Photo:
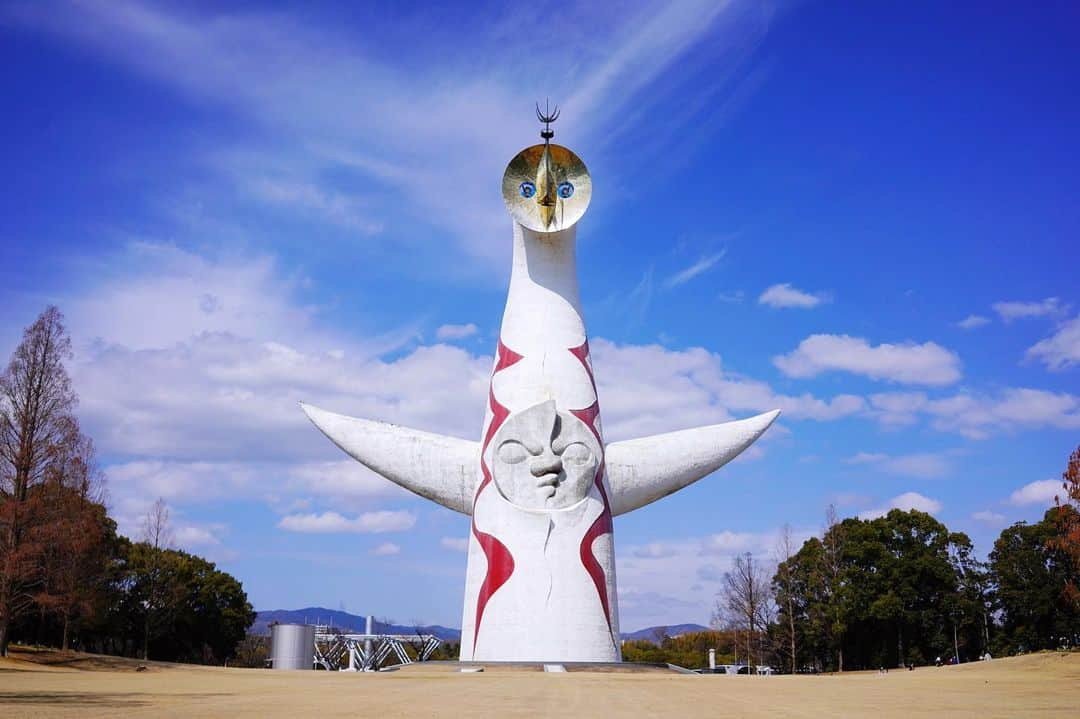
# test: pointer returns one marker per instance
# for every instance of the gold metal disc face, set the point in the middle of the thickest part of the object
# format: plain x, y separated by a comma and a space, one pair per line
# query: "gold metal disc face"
546, 188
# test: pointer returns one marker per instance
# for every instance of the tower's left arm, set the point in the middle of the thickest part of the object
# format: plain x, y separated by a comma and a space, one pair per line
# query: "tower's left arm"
440, 468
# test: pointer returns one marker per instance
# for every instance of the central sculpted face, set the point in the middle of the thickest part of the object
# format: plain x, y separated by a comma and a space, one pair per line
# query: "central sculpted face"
546, 188
544, 459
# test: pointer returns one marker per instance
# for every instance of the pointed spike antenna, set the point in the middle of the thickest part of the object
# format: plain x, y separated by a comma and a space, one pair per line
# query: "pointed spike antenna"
547, 116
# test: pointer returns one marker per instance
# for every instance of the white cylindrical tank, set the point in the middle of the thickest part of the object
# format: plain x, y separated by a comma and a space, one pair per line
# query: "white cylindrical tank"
292, 646
712, 659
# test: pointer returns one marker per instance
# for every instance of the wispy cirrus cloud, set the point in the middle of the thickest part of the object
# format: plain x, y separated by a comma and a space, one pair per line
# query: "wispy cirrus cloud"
703, 265
323, 101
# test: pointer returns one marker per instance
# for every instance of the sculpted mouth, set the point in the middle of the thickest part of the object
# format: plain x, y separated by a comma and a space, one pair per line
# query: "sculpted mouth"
549, 482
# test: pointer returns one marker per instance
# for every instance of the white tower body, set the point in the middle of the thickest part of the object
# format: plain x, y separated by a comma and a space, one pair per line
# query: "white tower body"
540, 583
541, 486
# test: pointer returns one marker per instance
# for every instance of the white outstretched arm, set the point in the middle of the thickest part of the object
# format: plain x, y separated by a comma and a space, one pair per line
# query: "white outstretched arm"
641, 471
440, 468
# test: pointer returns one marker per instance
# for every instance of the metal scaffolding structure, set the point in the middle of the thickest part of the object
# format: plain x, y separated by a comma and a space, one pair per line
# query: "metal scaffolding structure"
336, 651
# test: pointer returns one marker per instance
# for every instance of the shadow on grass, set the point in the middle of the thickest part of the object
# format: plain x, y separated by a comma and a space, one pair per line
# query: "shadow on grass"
115, 701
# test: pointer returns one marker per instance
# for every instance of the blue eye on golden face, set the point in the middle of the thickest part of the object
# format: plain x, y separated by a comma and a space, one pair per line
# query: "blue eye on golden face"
527, 189
565, 190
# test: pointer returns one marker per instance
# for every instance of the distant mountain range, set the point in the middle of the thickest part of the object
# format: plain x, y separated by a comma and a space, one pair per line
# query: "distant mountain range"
344, 621
355, 623
672, 630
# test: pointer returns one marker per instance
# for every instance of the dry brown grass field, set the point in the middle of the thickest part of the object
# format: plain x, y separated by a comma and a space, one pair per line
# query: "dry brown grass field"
55, 685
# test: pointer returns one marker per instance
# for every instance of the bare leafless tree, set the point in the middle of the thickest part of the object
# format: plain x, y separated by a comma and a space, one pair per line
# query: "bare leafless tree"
36, 402
156, 530
157, 534
834, 548
785, 550
745, 599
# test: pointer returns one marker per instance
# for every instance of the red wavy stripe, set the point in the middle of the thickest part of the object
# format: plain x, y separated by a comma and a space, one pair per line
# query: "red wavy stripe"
603, 524
600, 527
500, 563
582, 353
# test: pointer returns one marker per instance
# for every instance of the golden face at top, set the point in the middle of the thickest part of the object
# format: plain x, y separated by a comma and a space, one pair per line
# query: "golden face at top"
546, 188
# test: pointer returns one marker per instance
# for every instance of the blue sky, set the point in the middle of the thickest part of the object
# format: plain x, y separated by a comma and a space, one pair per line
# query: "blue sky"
861, 213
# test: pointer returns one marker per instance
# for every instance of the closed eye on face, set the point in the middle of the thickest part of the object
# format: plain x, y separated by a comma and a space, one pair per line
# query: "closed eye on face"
513, 452
577, 454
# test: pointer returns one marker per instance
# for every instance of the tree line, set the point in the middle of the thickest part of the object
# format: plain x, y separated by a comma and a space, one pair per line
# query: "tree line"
67, 578
903, 590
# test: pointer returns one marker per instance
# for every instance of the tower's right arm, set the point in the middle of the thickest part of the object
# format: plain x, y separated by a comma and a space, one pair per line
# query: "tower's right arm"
440, 468
641, 471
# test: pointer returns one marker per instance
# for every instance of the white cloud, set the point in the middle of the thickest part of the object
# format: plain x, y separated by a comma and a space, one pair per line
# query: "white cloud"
341, 481
222, 396
1015, 408
1060, 350
646, 389
732, 543
898, 408
1010, 311
908, 363
456, 332
972, 321
849, 499
703, 265
784, 295
184, 481
192, 536
655, 550
169, 380
206, 408
866, 458
977, 416
987, 517
456, 544
689, 570
332, 522
906, 502
914, 500
386, 549
1041, 491
153, 295
922, 465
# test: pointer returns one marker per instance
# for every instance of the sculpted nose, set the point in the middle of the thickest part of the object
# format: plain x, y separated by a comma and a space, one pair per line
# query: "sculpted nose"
545, 188
546, 463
